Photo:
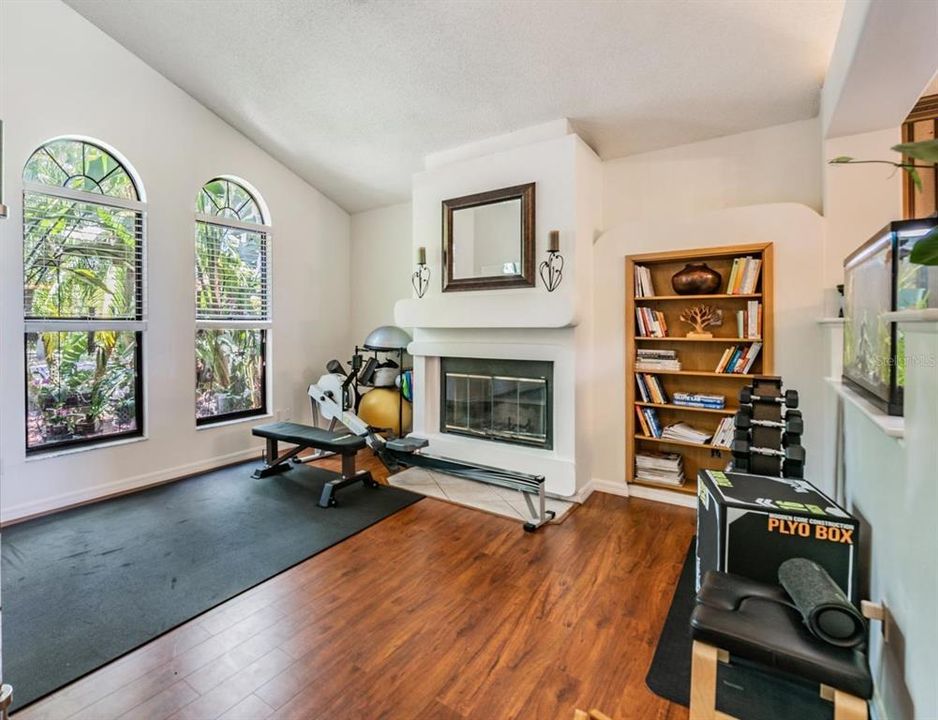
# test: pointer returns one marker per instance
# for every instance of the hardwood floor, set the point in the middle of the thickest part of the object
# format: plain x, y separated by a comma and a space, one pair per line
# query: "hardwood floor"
437, 613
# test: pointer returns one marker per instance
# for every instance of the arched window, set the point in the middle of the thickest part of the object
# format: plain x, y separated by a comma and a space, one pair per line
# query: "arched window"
84, 293
232, 303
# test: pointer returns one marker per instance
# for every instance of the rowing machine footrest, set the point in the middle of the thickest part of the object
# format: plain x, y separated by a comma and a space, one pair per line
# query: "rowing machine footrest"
407, 444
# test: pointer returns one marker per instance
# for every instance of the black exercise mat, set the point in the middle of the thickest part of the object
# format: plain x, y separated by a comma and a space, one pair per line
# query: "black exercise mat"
85, 586
743, 691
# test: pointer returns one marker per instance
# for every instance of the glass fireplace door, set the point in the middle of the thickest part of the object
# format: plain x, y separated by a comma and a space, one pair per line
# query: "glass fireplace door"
503, 400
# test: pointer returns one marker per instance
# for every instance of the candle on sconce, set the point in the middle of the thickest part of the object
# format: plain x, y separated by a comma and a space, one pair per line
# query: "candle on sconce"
421, 255
553, 244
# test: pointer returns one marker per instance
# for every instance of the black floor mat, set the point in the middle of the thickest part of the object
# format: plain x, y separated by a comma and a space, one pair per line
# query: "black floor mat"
743, 691
85, 586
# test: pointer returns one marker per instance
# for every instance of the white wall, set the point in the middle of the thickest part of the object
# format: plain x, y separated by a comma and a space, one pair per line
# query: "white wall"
858, 199
797, 233
381, 264
84, 83
891, 484
771, 165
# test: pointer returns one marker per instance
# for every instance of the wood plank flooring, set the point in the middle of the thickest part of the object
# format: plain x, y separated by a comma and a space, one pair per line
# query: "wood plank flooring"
437, 613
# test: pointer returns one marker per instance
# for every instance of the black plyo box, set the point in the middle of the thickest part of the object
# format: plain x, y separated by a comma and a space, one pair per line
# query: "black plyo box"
750, 524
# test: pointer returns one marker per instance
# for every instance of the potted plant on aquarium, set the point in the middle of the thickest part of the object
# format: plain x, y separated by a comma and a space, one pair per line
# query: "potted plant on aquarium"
925, 251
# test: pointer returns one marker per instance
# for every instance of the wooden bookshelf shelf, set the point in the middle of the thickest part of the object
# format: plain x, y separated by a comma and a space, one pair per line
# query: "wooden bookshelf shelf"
653, 298
698, 356
685, 488
679, 443
689, 408
731, 340
698, 373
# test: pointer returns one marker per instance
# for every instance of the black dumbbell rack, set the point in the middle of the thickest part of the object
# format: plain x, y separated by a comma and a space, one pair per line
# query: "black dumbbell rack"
768, 432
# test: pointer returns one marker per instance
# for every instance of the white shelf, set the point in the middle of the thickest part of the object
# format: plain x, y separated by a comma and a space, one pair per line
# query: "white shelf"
891, 425
912, 316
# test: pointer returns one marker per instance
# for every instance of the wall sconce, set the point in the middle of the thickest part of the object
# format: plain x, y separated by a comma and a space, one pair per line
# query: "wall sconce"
421, 277
551, 269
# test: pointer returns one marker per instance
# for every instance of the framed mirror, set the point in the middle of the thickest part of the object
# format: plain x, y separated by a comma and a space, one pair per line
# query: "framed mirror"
488, 240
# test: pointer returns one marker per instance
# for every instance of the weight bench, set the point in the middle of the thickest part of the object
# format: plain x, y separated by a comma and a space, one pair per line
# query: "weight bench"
305, 437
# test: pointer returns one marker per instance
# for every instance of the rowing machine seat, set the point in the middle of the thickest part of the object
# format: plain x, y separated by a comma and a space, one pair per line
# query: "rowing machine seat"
341, 443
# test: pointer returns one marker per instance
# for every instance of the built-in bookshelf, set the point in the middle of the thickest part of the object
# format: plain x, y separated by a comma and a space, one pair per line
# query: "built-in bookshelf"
698, 357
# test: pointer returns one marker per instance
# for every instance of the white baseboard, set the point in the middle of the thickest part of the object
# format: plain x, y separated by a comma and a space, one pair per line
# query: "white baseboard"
610, 487
623, 489
24, 511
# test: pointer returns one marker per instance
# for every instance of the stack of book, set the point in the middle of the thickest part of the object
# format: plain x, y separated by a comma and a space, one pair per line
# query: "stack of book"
744, 277
749, 321
666, 468
684, 433
723, 437
739, 358
651, 323
648, 421
701, 400
643, 286
651, 359
650, 389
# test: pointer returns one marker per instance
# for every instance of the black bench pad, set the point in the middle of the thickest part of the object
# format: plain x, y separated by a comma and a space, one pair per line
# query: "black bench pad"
343, 443
755, 622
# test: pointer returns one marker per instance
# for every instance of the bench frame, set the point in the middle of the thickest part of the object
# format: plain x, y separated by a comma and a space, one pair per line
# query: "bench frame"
703, 689
275, 462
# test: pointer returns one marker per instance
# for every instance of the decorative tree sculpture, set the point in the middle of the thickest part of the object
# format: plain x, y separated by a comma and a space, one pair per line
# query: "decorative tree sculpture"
701, 316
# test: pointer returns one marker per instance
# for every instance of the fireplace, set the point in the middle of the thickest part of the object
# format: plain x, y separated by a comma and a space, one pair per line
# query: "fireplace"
509, 401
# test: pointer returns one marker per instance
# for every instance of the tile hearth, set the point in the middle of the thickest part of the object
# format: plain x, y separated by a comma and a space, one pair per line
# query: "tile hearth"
472, 494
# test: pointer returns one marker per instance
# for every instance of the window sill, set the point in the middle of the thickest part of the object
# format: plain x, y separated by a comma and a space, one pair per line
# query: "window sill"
236, 421
36, 457
891, 425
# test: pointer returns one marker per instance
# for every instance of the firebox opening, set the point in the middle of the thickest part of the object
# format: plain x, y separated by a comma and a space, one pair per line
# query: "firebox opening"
502, 400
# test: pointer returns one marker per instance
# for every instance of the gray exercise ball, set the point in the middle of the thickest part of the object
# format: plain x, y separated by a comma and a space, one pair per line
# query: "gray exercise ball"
387, 337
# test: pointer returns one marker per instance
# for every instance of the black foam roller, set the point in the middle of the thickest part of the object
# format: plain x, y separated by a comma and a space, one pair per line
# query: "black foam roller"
827, 613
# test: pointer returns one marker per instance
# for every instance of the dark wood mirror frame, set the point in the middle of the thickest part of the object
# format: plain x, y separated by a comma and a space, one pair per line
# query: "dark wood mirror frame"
495, 282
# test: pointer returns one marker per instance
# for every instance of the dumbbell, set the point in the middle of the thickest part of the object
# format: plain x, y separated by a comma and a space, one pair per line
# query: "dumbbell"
792, 422
792, 453
747, 397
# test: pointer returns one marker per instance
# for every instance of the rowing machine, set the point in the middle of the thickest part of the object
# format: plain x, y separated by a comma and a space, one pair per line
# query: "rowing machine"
409, 452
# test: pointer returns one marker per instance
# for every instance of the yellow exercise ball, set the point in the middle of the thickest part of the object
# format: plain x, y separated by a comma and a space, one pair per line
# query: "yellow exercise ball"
379, 408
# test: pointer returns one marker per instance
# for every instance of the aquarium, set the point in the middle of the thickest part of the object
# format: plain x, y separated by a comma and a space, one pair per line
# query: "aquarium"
880, 278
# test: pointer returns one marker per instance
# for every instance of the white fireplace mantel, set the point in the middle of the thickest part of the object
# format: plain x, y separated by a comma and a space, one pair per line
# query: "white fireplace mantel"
501, 309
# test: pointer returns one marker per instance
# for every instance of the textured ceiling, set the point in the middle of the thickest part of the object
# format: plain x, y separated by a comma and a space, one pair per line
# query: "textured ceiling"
351, 94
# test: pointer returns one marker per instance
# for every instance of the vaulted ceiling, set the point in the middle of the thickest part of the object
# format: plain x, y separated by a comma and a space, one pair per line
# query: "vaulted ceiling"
351, 94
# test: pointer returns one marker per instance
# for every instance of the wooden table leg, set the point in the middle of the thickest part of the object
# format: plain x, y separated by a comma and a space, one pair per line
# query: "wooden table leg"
703, 682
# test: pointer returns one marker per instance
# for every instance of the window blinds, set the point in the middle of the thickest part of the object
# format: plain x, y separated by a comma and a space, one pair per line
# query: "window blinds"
83, 259
231, 280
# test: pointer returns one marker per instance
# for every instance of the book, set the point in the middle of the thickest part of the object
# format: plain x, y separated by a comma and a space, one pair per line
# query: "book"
751, 278
642, 422
751, 357
642, 390
685, 433
723, 436
650, 323
732, 280
651, 417
643, 284
713, 402
665, 468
